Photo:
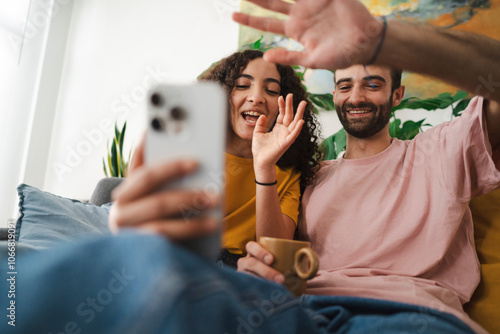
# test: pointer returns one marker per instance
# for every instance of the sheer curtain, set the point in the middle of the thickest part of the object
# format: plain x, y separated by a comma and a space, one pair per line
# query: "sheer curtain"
22, 41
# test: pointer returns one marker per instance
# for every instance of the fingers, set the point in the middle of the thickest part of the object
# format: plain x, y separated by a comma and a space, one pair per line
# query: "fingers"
274, 5
257, 262
289, 119
281, 108
181, 230
256, 250
260, 125
296, 126
148, 178
177, 205
285, 57
300, 111
295, 132
261, 23
288, 110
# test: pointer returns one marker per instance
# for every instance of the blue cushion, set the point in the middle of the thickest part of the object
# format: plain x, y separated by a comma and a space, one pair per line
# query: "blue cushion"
47, 219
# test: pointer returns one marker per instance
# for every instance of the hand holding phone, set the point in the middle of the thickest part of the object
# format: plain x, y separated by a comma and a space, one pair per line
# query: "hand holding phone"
189, 121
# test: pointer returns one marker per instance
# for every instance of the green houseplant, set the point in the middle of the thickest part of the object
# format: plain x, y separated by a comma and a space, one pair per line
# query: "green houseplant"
115, 164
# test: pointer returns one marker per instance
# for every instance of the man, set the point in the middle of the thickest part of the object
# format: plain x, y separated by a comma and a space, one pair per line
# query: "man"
388, 220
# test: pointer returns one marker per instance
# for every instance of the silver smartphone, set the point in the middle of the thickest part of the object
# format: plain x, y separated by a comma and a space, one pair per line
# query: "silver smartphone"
190, 121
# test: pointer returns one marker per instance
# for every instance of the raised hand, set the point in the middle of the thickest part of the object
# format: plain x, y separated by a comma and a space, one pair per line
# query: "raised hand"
268, 147
335, 33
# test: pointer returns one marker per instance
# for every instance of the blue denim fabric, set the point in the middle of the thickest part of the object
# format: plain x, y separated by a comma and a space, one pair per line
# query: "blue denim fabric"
342, 314
135, 283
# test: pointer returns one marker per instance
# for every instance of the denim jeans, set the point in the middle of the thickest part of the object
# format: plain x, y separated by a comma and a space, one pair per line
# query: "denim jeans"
136, 283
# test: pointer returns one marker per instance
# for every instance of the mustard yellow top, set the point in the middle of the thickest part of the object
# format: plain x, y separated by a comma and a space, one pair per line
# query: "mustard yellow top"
240, 217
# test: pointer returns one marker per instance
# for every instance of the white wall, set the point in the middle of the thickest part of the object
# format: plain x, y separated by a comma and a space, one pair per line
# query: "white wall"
114, 52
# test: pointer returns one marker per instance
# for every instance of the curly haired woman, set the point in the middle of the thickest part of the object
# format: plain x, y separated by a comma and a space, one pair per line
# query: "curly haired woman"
271, 152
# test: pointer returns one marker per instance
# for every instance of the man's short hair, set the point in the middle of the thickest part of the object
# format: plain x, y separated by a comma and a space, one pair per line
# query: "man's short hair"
395, 78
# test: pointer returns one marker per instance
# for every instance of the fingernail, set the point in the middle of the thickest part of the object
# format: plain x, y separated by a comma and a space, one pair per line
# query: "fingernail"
268, 259
279, 279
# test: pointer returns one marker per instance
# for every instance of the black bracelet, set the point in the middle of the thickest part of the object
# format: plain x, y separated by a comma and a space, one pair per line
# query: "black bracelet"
266, 184
379, 46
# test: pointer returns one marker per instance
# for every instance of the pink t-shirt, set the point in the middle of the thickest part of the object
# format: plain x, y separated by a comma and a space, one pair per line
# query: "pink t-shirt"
397, 226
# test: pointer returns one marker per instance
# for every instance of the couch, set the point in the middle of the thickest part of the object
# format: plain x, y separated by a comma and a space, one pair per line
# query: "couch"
35, 204
86, 219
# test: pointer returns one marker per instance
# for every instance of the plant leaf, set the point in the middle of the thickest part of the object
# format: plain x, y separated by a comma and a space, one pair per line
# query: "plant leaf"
323, 101
114, 160
333, 145
457, 111
442, 101
410, 129
109, 159
117, 133
104, 167
328, 148
340, 141
118, 158
122, 138
460, 95
256, 45
394, 128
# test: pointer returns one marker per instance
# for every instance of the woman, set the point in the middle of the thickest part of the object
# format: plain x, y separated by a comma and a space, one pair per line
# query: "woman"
270, 156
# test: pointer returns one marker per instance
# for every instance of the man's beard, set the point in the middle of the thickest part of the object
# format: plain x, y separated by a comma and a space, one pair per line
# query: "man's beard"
358, 128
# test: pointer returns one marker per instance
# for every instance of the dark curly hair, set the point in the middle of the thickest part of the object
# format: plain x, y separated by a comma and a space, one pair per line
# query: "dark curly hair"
304, 153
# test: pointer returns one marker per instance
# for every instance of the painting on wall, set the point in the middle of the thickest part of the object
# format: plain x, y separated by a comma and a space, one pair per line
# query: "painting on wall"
479, 16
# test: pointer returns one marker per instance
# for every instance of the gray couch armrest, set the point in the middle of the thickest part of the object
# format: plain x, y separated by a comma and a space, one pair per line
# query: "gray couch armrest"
102, 191
4, 234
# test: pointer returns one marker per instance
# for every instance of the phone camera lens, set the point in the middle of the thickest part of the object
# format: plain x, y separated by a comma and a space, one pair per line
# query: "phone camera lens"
156, 100
178, 113
157, 124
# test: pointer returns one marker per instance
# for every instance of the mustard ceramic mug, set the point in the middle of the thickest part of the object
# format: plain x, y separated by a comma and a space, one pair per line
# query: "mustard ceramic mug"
294, 259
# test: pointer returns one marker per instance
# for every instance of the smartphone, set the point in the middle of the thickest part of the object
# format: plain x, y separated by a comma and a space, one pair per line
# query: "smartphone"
190, 121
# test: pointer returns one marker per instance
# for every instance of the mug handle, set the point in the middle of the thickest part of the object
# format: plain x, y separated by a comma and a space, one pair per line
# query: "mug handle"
313, 263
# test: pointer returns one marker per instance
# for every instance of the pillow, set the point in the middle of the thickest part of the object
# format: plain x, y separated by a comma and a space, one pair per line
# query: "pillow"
484, 306
47, 219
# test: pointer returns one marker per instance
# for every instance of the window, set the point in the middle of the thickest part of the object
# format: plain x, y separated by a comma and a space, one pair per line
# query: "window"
19, 64
13, 15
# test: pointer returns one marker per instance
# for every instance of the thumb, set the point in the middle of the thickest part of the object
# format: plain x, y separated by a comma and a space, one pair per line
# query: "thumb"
260, 125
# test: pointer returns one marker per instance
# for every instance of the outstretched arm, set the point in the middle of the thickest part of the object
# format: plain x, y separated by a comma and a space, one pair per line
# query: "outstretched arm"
463, 59
341, 33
